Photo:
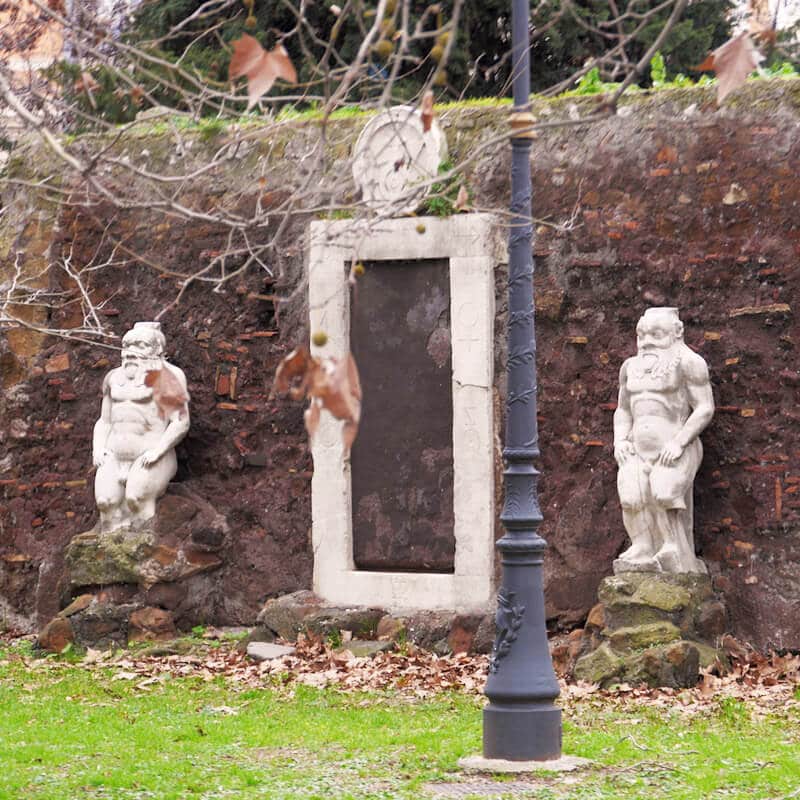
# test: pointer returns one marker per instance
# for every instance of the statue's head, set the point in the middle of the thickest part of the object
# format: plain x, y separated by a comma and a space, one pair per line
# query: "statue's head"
659, 328
141, 344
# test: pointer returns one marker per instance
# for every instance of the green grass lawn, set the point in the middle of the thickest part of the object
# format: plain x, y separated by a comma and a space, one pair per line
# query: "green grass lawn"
68, 731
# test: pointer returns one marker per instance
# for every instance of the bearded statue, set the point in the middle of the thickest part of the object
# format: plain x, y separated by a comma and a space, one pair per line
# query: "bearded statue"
144, 414
665, 402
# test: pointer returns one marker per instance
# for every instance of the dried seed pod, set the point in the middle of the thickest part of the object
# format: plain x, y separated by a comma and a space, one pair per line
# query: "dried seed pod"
383, 49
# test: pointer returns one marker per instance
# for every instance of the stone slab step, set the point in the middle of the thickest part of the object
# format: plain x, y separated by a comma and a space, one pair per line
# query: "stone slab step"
266, 651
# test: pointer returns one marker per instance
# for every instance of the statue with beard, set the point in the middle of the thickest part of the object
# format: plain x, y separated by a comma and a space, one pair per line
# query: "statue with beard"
144, 414
665, 401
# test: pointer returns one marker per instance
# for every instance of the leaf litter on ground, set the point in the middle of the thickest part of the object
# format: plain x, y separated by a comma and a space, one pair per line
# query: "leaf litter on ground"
768, 683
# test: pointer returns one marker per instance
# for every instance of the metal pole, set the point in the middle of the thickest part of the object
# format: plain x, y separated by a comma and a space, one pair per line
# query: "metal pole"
521, 721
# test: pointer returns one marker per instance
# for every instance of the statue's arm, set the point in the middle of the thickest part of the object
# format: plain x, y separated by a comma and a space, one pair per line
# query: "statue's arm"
103, 426
623, 419
701, 400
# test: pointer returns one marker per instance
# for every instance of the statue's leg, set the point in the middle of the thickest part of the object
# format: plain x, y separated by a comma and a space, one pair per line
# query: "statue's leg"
109, 491
632, 488
671, 488
146, 484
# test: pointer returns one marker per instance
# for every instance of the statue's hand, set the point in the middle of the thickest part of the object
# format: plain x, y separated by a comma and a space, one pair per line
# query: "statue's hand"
623, 450
149, 457
670, 453
99, 458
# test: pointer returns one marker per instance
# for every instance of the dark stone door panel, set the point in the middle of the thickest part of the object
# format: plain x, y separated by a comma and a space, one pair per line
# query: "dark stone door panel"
402, 459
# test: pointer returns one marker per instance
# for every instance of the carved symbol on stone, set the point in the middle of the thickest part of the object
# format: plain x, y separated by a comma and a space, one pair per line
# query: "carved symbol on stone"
467, 321
393, 155
508, 621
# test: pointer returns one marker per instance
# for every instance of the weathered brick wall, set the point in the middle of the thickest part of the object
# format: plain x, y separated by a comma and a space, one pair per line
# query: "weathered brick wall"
698, 209
671, 202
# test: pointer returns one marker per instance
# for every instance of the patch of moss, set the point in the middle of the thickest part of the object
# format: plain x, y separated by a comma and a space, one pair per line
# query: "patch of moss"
662, 595
641, 637
209, 129
96, 559
600, 666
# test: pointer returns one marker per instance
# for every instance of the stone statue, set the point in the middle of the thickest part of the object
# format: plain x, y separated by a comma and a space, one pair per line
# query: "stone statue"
665, 401
145, 413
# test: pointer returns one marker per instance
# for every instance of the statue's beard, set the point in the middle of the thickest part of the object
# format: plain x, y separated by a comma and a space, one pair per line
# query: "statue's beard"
657, 361
135, 368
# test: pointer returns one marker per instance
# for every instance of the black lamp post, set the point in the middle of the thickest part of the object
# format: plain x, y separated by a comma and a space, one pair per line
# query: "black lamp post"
521, 722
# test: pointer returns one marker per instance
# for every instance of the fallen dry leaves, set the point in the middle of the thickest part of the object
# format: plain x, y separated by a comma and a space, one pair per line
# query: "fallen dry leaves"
767, 683
416, 673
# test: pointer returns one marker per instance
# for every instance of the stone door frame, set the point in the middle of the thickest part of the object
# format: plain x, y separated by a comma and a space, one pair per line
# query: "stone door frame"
473, 246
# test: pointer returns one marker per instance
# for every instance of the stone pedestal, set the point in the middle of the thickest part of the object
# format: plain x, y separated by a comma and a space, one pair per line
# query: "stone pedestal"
140, 583
654, 628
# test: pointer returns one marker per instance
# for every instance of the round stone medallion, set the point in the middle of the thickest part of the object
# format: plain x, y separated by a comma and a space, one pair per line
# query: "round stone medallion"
396, 158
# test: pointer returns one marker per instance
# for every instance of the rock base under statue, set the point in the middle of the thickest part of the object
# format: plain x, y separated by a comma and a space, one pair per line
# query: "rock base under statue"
134, 584
620, 567
653, 628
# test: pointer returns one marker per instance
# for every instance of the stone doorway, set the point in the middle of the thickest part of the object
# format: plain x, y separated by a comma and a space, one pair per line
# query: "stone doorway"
346, 571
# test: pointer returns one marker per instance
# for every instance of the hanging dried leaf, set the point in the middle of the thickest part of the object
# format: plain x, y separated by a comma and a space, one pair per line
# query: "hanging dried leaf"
311, 417
732, 62
293, 373
462, 199
707, 64
168, 392
426, 110
330, 383
261, 67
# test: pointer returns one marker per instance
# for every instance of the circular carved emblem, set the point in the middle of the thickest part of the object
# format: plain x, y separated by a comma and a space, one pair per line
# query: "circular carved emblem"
396, 158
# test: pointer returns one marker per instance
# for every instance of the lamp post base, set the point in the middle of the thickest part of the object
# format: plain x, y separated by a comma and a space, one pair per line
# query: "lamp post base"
500, 766
522, 733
